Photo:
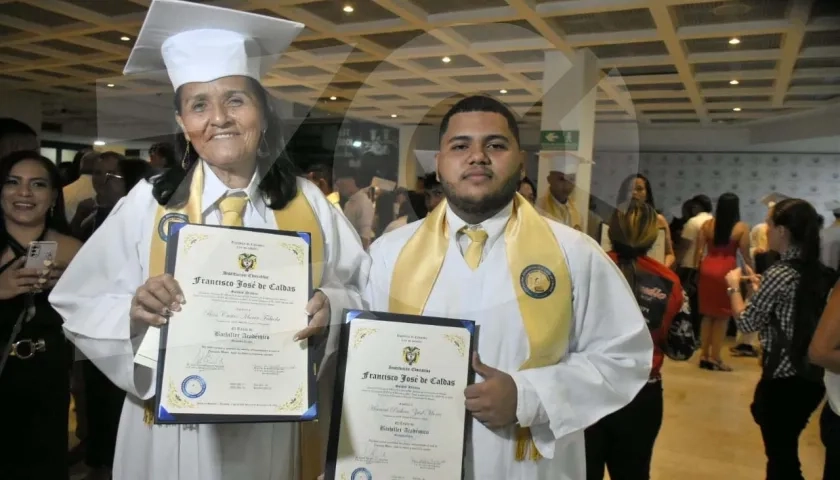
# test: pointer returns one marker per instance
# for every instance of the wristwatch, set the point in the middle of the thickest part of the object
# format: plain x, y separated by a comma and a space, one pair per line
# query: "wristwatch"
731, 291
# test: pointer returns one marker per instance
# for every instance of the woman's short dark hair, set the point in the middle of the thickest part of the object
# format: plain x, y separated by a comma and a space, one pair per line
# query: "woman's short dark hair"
56, 218
279, 174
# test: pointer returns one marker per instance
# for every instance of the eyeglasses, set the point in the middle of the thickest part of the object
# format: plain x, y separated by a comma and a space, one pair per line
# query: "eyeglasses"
109, 176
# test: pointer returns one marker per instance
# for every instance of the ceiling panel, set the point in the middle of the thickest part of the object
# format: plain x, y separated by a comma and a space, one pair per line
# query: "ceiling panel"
507, 53
411, 39
497, 31
638, 19
629, 49
109, 7
713, 13
333, 11
445, 6
30, 13
721, 44
735, 66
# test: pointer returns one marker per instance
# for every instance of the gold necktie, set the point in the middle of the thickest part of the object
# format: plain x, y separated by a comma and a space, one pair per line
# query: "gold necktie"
477, 240
232, 208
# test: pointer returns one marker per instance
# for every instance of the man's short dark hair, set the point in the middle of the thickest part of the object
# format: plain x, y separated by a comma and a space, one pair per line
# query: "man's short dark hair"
704, 202
11, 126
431, 183
481, 103
166, 151
321, 171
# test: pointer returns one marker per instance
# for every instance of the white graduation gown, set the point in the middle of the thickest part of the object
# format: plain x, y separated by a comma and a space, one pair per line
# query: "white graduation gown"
608, 360
94, 297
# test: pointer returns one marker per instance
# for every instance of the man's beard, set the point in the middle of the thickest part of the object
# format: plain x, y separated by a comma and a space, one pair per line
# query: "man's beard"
487, 205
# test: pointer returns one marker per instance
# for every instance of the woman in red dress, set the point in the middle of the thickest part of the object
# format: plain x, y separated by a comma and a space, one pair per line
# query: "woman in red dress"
717, 250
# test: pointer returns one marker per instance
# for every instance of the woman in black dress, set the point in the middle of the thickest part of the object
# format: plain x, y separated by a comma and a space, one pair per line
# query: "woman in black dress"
35, 358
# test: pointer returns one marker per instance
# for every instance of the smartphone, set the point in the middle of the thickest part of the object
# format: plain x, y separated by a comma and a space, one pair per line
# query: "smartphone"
40, 252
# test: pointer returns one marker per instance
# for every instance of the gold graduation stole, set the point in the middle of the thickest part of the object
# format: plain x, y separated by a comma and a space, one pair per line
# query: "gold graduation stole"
296, 216
540, 277
568, 213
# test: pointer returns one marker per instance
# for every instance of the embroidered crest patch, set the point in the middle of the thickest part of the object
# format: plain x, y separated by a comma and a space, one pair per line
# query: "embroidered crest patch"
537, 281
163, 226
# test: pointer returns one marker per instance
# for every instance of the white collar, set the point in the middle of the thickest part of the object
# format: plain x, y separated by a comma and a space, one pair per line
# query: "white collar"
214, 190
494, 226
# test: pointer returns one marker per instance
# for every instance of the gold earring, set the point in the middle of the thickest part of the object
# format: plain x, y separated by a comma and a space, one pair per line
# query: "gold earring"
186, 154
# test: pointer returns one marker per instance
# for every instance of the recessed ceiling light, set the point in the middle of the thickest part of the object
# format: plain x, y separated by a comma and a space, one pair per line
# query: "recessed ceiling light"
99, 143
734, 82
357, 143
110, 85
348, 8
125, 38
503, 91
734, 41
333, 98
446, 59
393, 115
736, 109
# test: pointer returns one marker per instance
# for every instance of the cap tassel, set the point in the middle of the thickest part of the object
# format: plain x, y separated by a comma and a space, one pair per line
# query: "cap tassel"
525, 446
149, 411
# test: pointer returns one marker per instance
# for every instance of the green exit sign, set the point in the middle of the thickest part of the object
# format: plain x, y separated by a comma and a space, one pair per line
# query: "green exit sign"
559, 139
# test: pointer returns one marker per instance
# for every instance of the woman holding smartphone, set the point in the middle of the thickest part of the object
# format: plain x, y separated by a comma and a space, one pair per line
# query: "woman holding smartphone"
35, 359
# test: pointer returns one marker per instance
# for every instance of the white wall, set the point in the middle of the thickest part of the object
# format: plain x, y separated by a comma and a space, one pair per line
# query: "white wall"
677, 176
631, 137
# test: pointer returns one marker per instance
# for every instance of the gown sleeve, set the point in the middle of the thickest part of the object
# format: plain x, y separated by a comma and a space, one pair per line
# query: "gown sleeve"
94, 294
609, 358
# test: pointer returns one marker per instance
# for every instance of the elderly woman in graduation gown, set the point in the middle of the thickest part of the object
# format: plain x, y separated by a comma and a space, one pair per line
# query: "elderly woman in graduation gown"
115, 292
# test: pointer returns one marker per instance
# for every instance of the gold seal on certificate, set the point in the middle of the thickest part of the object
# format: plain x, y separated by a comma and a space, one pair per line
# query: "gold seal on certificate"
229, 354
401, 382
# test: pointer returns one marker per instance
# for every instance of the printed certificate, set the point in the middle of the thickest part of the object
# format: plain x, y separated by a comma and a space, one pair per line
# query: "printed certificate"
401, 413
229, 354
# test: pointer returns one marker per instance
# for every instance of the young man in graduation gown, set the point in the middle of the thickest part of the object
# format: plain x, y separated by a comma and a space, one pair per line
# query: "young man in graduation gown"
558, 203
115, 294
561, 340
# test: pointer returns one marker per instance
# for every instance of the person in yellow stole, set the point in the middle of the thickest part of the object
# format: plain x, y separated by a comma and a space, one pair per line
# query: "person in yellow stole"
114, 293
562, 342
558, 203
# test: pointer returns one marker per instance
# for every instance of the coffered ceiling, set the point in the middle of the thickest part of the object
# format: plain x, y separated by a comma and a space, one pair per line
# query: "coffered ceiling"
663, 61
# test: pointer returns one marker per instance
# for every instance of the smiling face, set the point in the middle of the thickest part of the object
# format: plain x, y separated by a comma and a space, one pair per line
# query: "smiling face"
479, 162
27, 194
223, 120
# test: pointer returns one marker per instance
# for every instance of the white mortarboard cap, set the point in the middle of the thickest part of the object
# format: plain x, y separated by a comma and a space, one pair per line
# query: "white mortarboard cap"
565, 162
426, 159
201, 43
773, 198
833, 207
